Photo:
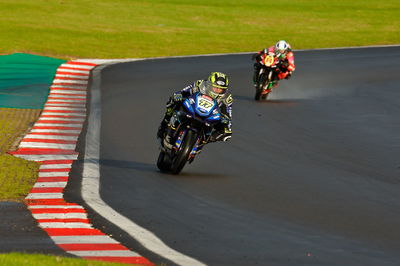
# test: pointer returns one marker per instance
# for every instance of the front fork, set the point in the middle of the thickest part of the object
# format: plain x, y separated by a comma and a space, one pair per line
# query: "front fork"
268, 84
196, 149
174, 126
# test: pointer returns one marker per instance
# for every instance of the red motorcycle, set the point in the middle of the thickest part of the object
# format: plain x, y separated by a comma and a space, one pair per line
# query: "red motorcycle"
267, 76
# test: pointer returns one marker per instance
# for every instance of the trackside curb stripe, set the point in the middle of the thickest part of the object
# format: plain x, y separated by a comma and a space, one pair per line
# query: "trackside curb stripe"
91, 184
52, 142
130, 260
83, 239
93, 247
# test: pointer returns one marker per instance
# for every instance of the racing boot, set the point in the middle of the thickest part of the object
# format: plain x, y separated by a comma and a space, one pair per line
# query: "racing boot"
164, 123
255, 79
161, 129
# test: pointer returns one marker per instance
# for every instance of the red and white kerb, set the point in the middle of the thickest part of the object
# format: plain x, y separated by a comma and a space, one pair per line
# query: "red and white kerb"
52, 142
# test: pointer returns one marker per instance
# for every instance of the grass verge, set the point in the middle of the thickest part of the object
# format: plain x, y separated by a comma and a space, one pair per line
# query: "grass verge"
136, 28
17, 175
14, 124
17, 259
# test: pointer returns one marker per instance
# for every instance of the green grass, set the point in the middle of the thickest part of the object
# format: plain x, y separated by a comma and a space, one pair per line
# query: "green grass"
18, 259
137, 28
13, 124
17, 175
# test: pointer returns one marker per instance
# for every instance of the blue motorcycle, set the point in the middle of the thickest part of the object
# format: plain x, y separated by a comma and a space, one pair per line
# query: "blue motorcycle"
189, 129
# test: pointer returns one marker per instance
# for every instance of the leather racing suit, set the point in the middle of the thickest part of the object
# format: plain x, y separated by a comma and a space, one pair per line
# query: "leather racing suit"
285, 69
223, 130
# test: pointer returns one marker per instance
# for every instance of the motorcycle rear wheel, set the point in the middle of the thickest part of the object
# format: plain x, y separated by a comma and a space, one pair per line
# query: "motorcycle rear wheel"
163, 162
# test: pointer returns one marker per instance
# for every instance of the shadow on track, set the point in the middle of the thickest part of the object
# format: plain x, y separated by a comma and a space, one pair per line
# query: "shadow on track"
143, 167
269, 101
146, 167
195, 175
280, 102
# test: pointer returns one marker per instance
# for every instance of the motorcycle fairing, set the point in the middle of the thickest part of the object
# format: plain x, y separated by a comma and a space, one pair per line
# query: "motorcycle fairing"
203, 106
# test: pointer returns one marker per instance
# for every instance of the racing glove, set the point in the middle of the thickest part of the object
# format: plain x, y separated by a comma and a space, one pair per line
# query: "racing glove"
226, 135
224, 120
288, 75
221, 135
177, 97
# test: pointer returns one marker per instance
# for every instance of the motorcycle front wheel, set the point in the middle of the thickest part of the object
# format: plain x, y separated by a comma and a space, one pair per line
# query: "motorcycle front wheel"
259, 88
265, 95
258, 94
183, 153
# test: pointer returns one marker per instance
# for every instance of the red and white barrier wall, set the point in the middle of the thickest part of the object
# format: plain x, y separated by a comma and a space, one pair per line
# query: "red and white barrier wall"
52, 142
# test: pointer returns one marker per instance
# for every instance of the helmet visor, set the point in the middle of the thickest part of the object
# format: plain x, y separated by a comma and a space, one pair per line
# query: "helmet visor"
218, 90
211, 90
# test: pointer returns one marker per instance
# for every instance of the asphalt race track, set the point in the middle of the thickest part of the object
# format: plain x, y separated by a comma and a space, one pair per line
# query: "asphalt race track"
20, 233
311, 177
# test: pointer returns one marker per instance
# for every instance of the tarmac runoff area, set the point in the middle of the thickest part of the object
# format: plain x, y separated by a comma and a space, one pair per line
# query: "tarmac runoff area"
20, 233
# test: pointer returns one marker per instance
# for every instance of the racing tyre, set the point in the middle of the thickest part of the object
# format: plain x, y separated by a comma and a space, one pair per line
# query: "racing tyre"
163, 162
258, 94
183, 153
259, 88
265, 96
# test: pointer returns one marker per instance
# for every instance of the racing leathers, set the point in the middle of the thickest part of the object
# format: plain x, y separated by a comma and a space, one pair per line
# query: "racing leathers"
223, 130
285, 69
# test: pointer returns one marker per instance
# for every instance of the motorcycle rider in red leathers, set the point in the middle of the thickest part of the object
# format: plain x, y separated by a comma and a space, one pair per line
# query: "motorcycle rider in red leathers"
281, 50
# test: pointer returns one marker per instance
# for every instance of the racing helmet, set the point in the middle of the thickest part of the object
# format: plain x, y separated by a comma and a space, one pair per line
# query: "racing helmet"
282, 48
216, 85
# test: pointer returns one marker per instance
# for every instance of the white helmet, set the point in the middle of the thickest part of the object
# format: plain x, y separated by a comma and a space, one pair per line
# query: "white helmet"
282, 47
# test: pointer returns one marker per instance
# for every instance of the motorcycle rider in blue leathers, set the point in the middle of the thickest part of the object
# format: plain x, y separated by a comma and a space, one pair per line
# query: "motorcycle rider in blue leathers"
218, 84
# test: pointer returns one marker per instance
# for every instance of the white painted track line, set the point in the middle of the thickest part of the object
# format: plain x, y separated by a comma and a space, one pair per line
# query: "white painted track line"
44, 196
44, 157
50, 184
104, 253
50, 174
52, 137
55, 207
55, 166
67, 215
83, 239
91, 187
65, 225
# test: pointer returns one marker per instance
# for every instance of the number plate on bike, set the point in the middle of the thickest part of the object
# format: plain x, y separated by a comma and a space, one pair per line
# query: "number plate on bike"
268, 60
205, 104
